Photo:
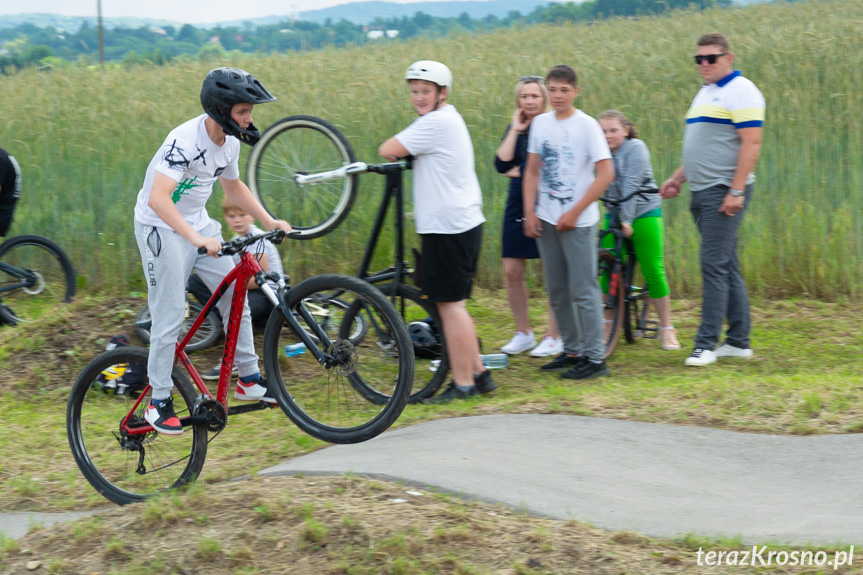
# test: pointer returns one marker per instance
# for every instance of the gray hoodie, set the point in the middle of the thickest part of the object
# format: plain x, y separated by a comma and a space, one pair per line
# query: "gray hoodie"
632, 171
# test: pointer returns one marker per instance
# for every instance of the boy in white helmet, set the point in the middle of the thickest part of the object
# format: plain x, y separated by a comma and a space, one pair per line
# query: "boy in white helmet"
171, 223
448, 216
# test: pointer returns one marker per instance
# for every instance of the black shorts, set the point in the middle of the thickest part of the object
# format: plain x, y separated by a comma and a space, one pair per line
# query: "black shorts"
449, 264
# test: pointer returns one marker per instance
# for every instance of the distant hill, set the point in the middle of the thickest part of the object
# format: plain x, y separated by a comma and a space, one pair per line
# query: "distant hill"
365, 12
358, 12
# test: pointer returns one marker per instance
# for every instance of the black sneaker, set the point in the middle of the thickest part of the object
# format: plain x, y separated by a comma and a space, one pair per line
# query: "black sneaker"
453, 392
563, 362
587, 370
484, 383
214, 373
160, 414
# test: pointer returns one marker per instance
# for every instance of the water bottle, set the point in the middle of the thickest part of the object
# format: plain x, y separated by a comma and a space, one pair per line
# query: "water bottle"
495, 360
295, 349
489, 361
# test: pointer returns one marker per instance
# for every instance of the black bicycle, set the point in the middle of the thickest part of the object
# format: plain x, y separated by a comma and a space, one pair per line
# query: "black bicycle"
304, 169
36, 276
626, 305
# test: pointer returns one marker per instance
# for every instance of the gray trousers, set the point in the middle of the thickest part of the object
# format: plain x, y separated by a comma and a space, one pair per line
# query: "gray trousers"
168, 260
573, 290
723, 291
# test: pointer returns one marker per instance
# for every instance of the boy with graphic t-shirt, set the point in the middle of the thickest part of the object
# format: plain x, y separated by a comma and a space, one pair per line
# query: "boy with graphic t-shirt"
568, 168
171, 223
448, 214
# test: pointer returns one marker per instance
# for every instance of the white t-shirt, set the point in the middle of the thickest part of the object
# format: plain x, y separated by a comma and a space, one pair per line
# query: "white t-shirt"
189, 157
274, 258
568, 151
446, 192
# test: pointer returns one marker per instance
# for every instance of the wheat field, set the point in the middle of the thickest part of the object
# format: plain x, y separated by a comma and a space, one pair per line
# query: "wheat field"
84, 135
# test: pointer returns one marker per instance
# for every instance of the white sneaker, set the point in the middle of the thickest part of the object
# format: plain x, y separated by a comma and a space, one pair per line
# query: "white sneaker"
700, 357
257, 390
726, 350
548, 346
520, 342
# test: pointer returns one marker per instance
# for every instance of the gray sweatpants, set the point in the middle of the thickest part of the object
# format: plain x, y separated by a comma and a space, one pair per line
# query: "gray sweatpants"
573, 290
168, 260
723, 290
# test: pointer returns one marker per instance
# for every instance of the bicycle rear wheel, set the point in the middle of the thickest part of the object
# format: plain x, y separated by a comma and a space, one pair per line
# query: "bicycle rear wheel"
614, 302
208, 333
43, 274
303, 145
318, 390
126, 468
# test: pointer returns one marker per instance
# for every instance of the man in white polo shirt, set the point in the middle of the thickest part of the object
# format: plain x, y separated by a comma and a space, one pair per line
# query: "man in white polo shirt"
721, 144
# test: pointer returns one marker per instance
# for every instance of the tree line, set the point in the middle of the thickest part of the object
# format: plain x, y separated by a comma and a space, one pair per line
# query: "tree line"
30, 45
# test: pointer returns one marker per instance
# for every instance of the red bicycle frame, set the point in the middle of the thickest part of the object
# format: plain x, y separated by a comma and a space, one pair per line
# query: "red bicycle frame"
247, 268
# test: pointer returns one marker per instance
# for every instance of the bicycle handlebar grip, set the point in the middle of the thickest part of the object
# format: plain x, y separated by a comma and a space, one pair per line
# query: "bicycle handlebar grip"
202, 250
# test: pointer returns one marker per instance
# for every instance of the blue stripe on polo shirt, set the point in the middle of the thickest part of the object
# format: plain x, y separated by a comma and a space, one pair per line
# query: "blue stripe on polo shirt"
709, 120
750, 124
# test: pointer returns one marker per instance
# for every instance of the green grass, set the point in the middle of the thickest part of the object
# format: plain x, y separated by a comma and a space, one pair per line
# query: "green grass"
84, 136
804, 379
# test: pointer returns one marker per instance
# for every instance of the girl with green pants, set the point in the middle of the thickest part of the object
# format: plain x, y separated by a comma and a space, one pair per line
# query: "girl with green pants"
641, 217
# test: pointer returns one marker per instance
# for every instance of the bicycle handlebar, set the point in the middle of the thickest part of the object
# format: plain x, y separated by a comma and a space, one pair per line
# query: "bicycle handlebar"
238, 245
351, 169
616, 202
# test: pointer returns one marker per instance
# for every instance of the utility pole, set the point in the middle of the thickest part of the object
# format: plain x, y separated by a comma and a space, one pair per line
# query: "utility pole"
101, 37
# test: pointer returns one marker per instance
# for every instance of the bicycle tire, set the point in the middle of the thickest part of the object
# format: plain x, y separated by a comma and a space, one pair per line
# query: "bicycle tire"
51, 270
107, 458
614, 302
303, 145
412, 307
319, 395
207, 335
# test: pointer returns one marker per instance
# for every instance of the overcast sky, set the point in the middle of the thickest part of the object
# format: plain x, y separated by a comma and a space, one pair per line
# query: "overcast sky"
185, 11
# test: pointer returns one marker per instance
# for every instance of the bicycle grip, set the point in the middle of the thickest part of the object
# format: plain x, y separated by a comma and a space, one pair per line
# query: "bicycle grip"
202, 250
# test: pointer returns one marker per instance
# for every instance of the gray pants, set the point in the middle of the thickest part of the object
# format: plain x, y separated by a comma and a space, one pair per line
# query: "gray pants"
573, 290
723, 291
168, 260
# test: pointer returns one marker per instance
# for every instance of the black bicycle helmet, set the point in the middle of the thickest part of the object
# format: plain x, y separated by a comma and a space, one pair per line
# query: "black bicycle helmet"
224, 87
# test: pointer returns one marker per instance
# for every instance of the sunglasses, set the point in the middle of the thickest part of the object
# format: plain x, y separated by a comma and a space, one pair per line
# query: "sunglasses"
709, 58
537, 79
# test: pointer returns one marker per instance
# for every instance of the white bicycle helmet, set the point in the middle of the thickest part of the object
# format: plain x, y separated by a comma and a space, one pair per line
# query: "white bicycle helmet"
430, 71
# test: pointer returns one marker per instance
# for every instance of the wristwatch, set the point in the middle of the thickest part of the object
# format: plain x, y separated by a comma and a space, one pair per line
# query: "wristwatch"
735, 193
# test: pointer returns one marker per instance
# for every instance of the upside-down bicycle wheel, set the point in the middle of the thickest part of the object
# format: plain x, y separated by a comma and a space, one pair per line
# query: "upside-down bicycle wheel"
426, 333
124, 467
318, 390
303, 145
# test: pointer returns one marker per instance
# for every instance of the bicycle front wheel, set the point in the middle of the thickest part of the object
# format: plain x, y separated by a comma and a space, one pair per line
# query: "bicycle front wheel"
319, 389
35, 279
302, 145
614, 302
123, 467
